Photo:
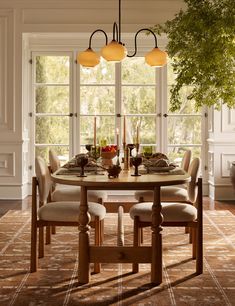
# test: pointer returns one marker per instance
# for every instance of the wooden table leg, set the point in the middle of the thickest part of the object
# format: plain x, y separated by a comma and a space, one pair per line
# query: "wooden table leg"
156, 266
84, 219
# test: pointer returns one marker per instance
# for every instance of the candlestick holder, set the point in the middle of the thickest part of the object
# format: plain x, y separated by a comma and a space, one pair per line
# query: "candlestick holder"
137, 147
118, 161
126, 158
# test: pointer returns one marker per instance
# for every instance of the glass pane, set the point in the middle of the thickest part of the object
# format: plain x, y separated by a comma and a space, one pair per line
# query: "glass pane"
176, 154
52, 69
97, 100
52, 130
187, 106
183, 130
62, 152
105, 128
147, 129
171, 76
52, 99
135, 71
104, 73
138, 100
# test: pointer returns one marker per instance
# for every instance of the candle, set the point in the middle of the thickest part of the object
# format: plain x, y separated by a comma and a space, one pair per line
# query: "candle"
138, 134
117, 132
95, 131
124, 129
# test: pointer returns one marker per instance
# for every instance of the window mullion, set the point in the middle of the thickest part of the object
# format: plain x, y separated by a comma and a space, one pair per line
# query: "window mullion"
118, 100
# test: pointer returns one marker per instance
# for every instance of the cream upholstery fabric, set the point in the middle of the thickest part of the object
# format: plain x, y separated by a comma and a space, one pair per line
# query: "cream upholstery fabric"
171, 212
44, 179
186, 160
72, 193
68, 211
168, 194
54, 161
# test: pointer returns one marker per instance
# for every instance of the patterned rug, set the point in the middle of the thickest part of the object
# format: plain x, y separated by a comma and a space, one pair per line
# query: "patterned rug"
55, 283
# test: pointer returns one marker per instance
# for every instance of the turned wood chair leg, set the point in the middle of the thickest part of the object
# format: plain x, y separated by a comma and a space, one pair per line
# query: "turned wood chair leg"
33, 254
136, 242
190, 235
186, 230
48, 235
97, 241
41, 243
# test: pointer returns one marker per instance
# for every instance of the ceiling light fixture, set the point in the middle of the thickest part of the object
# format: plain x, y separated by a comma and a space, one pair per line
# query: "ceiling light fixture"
116, 51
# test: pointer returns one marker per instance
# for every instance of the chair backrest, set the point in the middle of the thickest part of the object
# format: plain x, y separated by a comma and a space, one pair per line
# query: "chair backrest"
192, 185
54, 161
44, 179
186, 160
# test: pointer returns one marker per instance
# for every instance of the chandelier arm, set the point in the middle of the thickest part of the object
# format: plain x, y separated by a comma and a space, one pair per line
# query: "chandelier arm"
155, 38
119, 21
115, 31
98, 30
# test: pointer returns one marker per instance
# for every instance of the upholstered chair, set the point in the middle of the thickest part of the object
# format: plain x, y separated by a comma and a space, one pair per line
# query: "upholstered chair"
169, 193
186, 214
59, 213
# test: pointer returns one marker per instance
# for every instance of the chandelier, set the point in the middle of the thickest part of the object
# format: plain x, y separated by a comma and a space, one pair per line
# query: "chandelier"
115, 51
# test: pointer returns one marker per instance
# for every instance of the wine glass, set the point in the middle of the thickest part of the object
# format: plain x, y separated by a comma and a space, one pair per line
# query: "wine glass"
131, 146
136, 161
82, 162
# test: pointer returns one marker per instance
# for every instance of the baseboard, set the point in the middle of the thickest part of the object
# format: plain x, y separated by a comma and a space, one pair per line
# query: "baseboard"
14, 192
224, 192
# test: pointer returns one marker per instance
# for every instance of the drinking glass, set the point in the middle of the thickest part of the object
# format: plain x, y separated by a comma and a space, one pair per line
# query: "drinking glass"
136, 161
82, 162
147, 151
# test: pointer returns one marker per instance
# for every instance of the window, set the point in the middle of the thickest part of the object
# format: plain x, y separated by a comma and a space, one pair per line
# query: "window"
65, 106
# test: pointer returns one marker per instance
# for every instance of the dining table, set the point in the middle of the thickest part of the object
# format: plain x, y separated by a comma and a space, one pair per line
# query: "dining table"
120, 254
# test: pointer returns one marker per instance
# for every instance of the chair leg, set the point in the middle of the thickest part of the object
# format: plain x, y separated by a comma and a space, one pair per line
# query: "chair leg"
97, 241
137, 234
190, 235
186, 230
33, 257
48, 235
53, 230
194, 242
41, 243
102, 231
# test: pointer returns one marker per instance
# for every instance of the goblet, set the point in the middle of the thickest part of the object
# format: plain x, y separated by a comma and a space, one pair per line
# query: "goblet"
136, 161
82, 162
131, 146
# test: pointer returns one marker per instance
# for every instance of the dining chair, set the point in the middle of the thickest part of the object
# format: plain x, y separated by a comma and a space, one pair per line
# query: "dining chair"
187, 214
176, 193
63, 213
69, 193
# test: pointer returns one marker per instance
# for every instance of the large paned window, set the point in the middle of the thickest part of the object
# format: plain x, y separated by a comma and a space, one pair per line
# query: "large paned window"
52, 97
67, 97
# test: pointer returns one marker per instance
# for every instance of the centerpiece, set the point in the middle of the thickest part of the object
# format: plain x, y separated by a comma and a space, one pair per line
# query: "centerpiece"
107, 154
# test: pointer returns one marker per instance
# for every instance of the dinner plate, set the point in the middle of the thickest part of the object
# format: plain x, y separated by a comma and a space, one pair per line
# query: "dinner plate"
160, 169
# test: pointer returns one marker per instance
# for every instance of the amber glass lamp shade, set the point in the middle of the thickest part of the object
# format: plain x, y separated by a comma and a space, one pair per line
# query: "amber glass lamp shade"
88, 58
156, 58
114, 51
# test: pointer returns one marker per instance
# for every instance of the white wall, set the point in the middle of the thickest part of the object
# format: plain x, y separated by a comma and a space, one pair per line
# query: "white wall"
60, 16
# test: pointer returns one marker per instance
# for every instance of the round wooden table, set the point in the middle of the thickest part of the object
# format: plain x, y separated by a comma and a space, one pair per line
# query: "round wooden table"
121, 254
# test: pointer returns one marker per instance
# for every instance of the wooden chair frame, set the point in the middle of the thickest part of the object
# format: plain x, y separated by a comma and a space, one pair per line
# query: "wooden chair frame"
40, 224
196, 228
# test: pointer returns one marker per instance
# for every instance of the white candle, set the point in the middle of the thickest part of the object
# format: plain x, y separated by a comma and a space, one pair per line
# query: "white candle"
117, 133
124, 129
95, 131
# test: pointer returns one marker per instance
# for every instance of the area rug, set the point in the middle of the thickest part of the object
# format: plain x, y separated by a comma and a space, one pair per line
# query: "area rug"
55, 282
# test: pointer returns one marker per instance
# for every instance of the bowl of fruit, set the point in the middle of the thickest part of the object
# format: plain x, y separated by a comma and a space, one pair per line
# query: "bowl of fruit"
107, 154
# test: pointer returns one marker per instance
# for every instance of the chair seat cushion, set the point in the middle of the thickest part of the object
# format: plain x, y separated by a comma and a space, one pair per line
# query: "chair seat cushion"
68, 211
168, 194
72, 193
171, 212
